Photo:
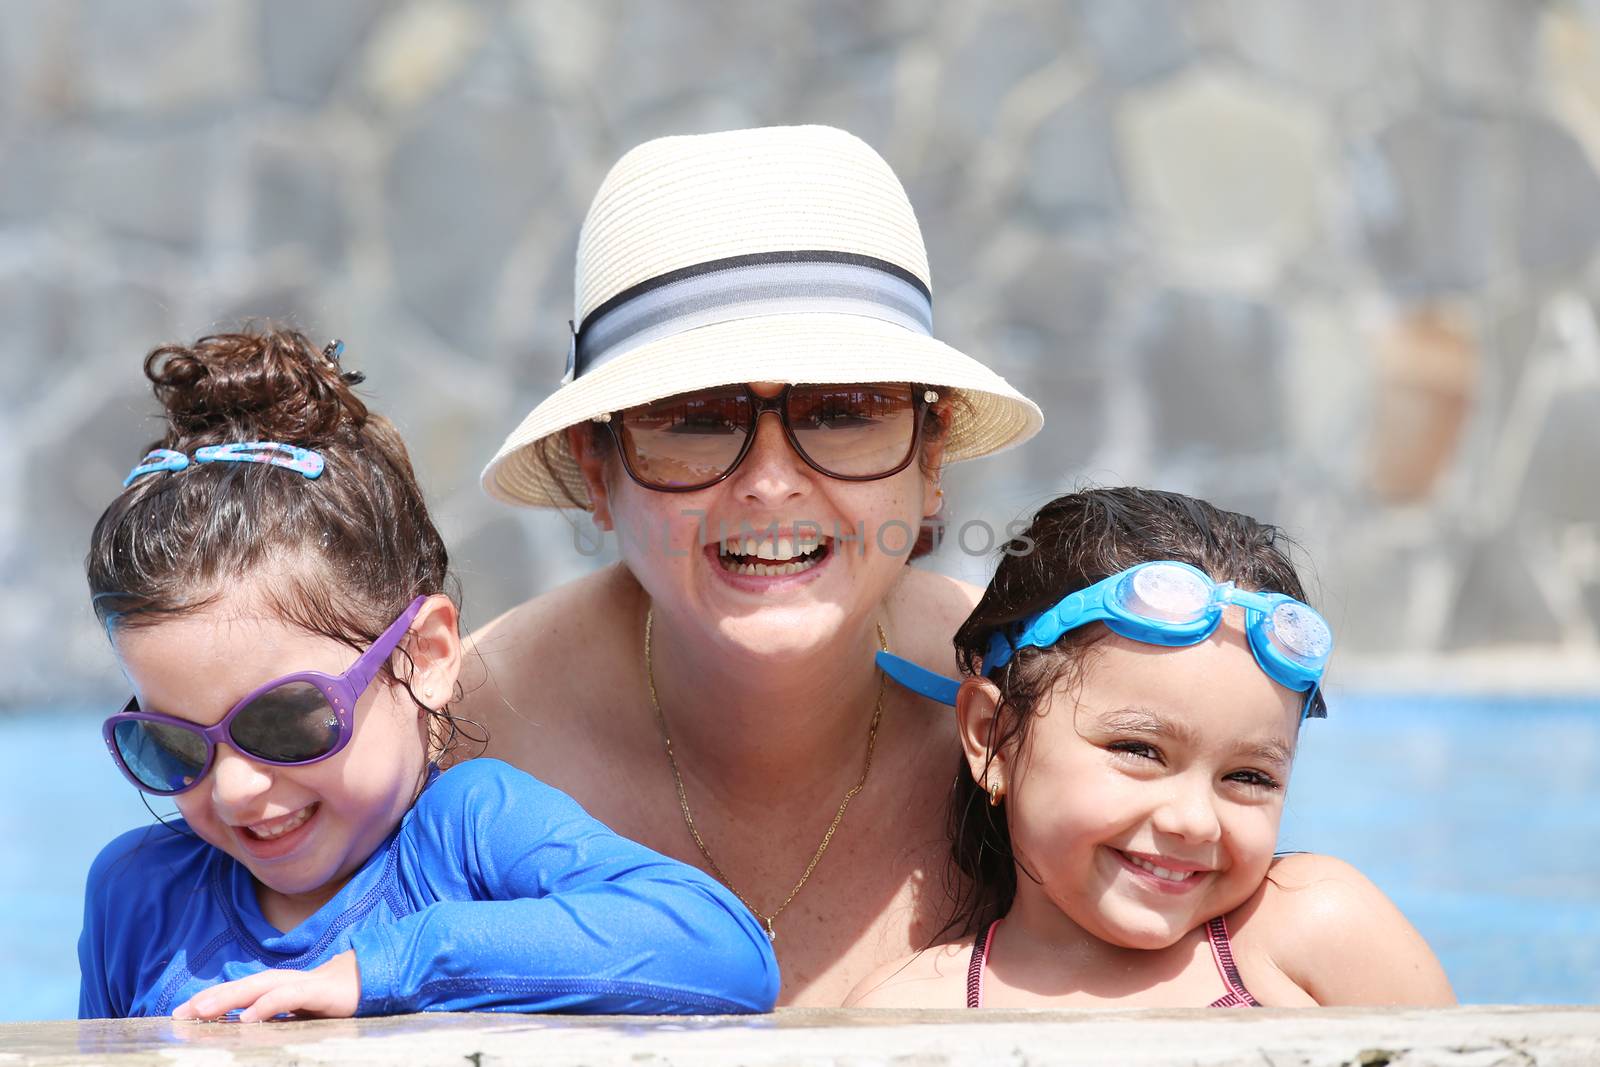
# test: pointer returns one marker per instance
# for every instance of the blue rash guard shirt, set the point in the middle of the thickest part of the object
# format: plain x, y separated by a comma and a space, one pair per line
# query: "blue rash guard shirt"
495, 893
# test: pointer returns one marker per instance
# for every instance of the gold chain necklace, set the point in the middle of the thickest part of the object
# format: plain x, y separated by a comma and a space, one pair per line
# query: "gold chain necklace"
683, 800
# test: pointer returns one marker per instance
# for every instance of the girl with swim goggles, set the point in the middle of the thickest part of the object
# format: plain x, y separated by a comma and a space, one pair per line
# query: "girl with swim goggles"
1139, 668
324, 865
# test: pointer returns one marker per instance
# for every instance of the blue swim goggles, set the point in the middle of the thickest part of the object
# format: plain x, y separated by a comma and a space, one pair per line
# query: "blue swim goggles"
1163, 602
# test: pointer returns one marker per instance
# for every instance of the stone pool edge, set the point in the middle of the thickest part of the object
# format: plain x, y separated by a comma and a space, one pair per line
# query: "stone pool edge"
1477, 1036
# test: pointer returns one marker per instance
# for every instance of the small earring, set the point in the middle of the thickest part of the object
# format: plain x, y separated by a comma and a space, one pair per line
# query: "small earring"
994, 794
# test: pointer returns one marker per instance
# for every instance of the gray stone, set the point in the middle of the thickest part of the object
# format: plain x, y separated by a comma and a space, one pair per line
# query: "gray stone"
1562, 484
1336, 48
36, 80
296, 193
1213, 369
1328, 381
1498, 600
1047, 334
150, 187
1471, 1036
1557, 213
1452, 202
567, 40
1482, 48
494, 566
457, 192
1135, 40
1219, 163
77, 474
307, 45
1432, 195
1071, 179
61, 320
841, 28
183, 55
31, 171
864, 105
662, 54
993, 57
38, 313
287, 305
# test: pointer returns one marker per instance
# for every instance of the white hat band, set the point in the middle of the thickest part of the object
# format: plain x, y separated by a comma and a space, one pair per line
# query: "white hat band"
744, 287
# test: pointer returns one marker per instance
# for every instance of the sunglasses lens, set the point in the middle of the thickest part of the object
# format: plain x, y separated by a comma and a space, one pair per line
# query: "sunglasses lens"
1300, 634
163, 758
688, 440
1166, 593
291, 723
855, 431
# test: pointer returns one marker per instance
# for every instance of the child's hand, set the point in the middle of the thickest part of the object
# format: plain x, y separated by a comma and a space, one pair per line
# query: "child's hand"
331, 991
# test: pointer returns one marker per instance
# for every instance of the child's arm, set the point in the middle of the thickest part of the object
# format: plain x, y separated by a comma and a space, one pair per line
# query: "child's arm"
1337, 936
122, 880
567, 917
94, 997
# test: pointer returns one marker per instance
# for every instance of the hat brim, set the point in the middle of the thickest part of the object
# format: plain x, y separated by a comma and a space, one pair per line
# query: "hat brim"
534, 466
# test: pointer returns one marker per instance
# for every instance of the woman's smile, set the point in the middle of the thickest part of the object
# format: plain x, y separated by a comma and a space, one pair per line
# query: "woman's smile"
770, 564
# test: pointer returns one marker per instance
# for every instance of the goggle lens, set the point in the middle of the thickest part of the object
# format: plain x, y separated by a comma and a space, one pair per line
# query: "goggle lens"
290, 724
163, 758
693, 440
1300, 634
1165, 593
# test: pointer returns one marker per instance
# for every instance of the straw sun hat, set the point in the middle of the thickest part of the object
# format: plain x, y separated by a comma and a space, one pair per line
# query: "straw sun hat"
784, 254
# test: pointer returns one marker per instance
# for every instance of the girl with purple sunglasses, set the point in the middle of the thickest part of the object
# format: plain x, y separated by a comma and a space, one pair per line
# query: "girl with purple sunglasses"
274, 590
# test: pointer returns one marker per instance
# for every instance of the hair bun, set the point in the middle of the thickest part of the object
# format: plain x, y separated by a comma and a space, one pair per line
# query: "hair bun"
271, 385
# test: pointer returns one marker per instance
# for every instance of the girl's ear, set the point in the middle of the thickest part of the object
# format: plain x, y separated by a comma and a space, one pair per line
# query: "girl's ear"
434, 645
978, 721
592, 464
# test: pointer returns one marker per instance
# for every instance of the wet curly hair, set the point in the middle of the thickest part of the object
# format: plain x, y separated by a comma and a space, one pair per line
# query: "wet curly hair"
348, 551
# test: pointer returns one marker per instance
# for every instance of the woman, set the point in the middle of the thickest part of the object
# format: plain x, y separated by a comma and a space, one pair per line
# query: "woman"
714, 694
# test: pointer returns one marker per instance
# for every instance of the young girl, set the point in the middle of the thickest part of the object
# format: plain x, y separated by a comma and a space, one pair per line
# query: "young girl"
273, 587
1140, 666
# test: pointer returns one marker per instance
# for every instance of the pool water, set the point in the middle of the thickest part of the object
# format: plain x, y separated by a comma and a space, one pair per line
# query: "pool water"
1479, 816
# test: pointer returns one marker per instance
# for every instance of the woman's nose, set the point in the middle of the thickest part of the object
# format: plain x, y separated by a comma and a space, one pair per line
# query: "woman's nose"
772, 473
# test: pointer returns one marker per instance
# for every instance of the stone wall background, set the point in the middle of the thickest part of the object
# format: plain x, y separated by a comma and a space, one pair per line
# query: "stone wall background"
1333, 264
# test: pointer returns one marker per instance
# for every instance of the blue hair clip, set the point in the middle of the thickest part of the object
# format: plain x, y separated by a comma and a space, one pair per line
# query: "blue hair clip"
275, 453
333, 350
157, 459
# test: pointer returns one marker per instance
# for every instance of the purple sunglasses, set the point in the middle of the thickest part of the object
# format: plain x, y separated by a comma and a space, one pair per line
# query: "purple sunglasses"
291, 721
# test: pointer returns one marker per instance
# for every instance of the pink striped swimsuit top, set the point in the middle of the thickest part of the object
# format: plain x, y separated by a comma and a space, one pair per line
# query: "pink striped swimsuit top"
1216, 933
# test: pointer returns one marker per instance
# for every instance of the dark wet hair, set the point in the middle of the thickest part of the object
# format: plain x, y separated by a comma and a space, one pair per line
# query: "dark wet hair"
1073, 542
345, 552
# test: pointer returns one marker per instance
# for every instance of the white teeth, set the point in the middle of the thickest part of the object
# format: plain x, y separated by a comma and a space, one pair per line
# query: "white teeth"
768, 570
266, 831
773, 549
1160, 872
782, 555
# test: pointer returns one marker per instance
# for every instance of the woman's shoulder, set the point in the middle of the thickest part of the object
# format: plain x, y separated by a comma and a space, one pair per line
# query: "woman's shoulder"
1337, 936
936, 977
926, 608
537, 674
567, 618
